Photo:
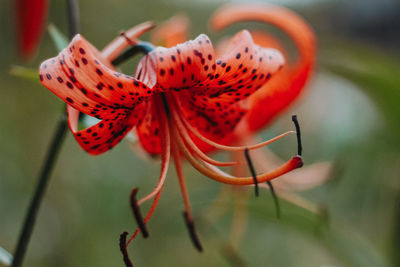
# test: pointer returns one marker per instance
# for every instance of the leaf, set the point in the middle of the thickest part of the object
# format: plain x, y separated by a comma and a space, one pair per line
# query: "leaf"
344, 243
59, 39
378, 74
5, 257
25, 73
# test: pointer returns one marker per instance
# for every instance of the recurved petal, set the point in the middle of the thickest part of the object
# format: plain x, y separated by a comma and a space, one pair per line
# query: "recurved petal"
107, 133
79, 77
243, 69
285, 87
182, 66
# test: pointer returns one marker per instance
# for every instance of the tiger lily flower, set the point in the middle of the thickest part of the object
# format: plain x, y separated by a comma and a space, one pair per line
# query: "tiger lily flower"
182, 100
266, 104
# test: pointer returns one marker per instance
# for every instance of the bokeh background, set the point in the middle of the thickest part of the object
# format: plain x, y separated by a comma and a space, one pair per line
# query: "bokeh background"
349, 113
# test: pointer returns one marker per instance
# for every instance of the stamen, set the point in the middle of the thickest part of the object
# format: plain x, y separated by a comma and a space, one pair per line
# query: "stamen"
192, 232
298, 134
166, 153
195, 150
187, 214
294, 163
137, 214
148, 216
122, 247
252, 171
180, 119
276, 200
166, 150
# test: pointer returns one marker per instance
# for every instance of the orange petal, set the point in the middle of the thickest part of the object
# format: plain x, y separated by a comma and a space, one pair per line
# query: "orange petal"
149, 132
285, 87
243, 69
113, 49
182, 66
83, 81
107, 133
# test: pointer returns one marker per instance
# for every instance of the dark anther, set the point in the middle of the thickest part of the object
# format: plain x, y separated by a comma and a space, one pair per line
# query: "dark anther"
324, 215
296, 124
232, 256
276, 200
137, 213
142, 47
252, 171
192, 232
122, 247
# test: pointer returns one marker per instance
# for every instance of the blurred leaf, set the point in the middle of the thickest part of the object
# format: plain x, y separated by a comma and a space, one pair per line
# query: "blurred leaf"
59, 39
376, 73
344, 243
25, 73
5, 257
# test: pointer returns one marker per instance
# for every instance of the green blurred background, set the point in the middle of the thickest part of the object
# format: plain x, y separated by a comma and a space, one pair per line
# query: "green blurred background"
349, 114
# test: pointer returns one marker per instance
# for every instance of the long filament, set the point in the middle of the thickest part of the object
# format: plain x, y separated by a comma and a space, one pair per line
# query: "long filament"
166, 145
195, 150
290, 165
220, 146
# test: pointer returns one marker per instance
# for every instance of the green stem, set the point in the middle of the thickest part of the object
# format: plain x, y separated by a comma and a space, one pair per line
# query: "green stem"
34, 206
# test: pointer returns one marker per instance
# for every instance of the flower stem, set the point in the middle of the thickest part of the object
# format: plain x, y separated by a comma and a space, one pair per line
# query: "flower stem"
73, 17
30, 218
51, 157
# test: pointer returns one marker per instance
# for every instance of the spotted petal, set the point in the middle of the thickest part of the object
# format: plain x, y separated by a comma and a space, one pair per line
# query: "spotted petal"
243, 69
82, 79
216, 106
149, 132
285, 87
182, 66
107, 133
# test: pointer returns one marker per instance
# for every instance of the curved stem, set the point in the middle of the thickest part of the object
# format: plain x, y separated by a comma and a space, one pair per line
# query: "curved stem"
51, 157
44, 177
